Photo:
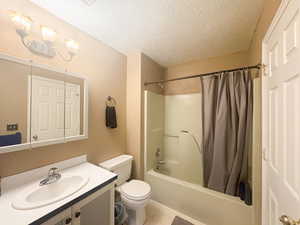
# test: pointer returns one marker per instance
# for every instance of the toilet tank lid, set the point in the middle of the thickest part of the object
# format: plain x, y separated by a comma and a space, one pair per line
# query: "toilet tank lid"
116, 162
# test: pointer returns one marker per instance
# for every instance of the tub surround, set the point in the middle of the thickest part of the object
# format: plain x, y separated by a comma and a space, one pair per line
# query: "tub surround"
12, 186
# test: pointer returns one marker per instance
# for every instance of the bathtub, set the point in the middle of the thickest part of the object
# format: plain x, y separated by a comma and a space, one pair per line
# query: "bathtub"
207, 206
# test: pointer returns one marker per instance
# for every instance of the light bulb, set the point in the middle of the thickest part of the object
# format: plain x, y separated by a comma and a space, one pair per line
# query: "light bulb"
72, 46
22, 23
48, 34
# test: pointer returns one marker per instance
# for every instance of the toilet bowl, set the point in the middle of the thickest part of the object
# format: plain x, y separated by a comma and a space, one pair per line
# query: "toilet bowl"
135, 194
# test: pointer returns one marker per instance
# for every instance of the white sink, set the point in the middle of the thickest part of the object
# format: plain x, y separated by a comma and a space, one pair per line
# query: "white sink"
36, 196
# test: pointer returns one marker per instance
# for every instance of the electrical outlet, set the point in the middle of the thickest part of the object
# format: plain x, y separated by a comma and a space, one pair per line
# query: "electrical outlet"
12, 127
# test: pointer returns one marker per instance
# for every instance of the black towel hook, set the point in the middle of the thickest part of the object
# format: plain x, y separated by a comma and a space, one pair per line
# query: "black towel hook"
110, 101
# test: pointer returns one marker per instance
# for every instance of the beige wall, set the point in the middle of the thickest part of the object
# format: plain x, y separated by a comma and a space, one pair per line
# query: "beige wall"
140, 69
255, 53
270, 8
105, 70
230, 61
134, 114
13, 97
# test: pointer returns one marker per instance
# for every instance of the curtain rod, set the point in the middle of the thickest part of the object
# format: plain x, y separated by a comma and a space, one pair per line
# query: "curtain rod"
258, 66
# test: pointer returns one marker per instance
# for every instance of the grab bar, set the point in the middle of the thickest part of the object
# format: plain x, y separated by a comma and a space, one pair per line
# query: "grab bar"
172, 136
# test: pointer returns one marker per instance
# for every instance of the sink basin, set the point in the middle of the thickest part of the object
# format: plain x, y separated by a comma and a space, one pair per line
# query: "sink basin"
36, 196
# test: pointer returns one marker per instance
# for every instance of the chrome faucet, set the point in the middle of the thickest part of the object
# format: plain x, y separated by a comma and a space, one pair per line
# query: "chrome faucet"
159, 161
53, 176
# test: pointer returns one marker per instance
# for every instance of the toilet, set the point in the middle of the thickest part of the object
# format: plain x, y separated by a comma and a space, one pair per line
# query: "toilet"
135, 194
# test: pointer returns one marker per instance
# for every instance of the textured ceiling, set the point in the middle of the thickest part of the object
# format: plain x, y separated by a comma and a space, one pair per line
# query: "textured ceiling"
169, 31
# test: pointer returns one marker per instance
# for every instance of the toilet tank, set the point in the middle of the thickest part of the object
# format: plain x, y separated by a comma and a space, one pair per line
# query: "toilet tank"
120, 165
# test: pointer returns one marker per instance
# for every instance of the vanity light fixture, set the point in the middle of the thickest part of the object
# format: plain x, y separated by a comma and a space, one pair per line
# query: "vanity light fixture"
72, 46
48, 34
45, 45
22, 23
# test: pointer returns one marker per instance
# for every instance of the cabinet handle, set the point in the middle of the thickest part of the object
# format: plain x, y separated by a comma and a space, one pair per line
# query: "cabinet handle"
77, 214
69, 220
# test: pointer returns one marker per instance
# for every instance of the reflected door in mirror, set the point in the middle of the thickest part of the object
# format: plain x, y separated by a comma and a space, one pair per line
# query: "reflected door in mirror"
47, 118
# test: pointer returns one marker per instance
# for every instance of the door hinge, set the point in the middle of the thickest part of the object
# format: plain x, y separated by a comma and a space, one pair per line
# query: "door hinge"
265, 154
264, 69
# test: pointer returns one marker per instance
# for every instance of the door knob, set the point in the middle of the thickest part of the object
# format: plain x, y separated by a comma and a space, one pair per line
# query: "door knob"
285, 220
35, 137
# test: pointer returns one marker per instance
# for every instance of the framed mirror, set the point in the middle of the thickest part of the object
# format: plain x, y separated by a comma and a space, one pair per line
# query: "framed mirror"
42, 106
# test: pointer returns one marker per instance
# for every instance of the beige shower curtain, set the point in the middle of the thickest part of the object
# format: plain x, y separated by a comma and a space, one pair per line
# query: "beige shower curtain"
227, 130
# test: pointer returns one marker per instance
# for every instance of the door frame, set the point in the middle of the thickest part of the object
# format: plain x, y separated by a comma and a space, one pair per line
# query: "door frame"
264, 107
59, 140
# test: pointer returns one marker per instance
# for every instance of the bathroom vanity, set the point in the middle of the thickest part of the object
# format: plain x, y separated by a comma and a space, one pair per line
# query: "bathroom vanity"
25, 202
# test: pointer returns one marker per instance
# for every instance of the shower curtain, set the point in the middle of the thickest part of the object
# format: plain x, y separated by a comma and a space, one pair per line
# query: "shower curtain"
227, 130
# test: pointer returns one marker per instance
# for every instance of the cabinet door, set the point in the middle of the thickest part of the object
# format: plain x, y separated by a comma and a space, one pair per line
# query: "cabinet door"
64, 218
97, 209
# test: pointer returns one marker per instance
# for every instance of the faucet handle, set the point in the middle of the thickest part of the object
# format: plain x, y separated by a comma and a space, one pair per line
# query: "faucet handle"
52, 171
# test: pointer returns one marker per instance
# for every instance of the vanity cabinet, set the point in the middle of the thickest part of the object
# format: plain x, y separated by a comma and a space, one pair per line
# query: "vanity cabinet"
95, 209
62, 218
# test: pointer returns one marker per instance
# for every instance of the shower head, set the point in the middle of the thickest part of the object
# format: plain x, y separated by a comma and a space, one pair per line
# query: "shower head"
194, 138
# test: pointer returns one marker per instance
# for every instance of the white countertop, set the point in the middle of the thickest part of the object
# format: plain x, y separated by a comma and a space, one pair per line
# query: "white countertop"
10, 216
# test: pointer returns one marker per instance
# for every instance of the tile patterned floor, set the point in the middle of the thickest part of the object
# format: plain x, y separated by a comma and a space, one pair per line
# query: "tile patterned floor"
158, 214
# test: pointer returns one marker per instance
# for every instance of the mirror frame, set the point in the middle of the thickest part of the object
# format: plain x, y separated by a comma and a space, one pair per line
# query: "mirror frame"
24, 146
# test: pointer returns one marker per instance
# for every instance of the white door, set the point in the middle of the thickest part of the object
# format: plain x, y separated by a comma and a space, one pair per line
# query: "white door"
281, 117
72, 125
47, 104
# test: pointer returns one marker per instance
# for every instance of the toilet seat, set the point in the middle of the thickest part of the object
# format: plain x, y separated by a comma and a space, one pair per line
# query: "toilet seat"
136, 190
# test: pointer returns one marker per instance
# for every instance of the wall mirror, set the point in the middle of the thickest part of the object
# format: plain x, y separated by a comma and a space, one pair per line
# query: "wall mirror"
40, 105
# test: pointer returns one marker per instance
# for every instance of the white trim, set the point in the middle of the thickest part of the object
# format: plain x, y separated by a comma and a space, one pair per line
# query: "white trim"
76, 138
15, 59
112, 206
145, 132
37, 77
86, 109
29, 109
282, 7
37, 144
12, 148
41, 66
